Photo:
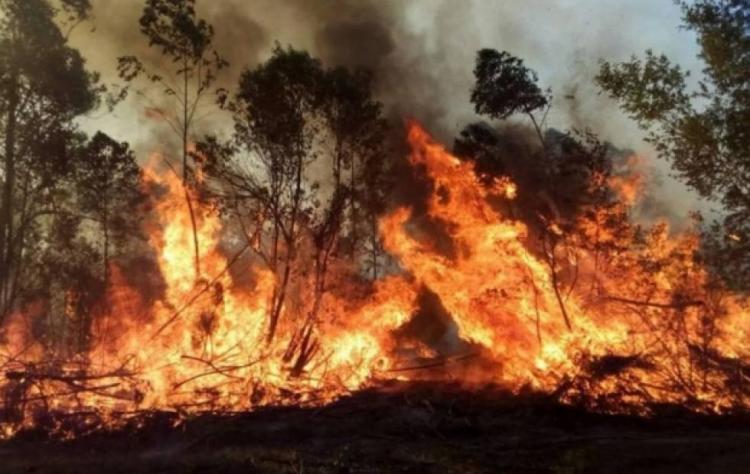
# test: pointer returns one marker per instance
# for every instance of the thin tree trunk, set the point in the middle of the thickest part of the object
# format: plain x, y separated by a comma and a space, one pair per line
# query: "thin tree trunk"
185, 130
279, 301
353, 208
552, 261
275, 306
538, 130
6, 210
18, 245
105, 228
275, 243
290, 254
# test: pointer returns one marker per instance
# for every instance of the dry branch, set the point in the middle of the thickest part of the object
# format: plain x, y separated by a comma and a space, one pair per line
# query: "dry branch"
673, 305
442, 362
207, 286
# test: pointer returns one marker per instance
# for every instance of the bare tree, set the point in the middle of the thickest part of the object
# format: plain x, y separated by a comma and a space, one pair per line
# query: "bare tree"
187, 41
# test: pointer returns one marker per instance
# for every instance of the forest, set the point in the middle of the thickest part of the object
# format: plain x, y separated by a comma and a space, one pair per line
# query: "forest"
297, 246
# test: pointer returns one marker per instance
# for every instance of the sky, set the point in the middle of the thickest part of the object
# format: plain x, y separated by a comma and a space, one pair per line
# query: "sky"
422, 53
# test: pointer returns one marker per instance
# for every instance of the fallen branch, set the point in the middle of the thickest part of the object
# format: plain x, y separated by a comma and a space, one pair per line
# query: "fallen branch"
215, 370
438, 363
673, 305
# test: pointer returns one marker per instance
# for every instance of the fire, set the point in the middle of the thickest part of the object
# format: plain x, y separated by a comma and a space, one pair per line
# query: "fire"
629, 186
639, 325
498, 293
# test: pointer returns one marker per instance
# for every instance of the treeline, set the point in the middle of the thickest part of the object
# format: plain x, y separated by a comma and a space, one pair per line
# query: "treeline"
56, 181
308, 168
302, 179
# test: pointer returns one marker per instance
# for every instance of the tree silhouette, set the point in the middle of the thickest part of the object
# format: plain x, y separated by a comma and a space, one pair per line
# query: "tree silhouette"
108, 183
44, 86
173, 27
562, 178
504, 86
291, 116
357, 130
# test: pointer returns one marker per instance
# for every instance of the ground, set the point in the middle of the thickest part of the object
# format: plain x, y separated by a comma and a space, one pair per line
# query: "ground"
412, 429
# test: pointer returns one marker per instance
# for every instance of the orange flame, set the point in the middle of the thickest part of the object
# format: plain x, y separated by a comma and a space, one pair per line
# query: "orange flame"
203, 345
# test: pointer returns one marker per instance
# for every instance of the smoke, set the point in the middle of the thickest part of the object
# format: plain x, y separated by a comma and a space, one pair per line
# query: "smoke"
422, 55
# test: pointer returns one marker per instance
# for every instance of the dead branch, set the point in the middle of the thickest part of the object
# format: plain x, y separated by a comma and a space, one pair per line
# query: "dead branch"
673, 305
215, 370
195, 297
552, 262
435, 363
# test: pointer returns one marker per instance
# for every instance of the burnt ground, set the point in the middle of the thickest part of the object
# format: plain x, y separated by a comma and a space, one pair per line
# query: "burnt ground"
417, 429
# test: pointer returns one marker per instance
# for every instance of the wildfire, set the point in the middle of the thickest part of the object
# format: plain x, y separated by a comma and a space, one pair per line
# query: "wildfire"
629, 186
639, 325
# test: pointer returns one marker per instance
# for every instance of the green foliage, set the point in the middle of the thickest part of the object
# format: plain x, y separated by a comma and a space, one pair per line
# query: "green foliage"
703, 133
558, 184
724, 39
107, 174
650, 89
75, 10
504, 86
556, 181
44, 86
290, 112
107, 179
33, 48
173, 27
58, 188
273, 102
303, 171
562, 183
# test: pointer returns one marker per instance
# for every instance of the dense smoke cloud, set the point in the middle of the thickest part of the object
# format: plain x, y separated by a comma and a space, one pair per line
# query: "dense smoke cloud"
422, 54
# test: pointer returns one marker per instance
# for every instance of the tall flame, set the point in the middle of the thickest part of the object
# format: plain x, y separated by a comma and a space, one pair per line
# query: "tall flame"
203, 345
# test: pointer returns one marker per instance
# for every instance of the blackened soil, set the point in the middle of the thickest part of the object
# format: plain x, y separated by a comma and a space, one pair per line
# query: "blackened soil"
412, 428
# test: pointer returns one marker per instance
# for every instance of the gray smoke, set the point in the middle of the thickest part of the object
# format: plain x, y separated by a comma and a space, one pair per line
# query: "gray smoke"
422, 54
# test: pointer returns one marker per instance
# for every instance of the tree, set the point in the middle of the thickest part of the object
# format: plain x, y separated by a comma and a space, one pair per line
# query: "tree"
272, 109
372, 198
44, 85
504, 86
108, 181
703, 132
562, 179
358, 131
299, 127
173, 27
63, 275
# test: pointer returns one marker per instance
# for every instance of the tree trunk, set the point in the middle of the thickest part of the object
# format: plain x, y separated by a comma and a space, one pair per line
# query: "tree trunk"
278, 303
185, 131
6, 209
552, 262
280, 291
353, 209
105, 228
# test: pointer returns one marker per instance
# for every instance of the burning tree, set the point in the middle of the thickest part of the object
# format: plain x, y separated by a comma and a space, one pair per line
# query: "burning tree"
300, 127
522, 247
187, 42
702, 132
38, 127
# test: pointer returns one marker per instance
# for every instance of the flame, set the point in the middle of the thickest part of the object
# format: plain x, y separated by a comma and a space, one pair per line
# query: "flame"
620, 331
629, 186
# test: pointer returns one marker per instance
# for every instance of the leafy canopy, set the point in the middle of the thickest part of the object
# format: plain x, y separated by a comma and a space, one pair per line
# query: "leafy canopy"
703, 132
504, 86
